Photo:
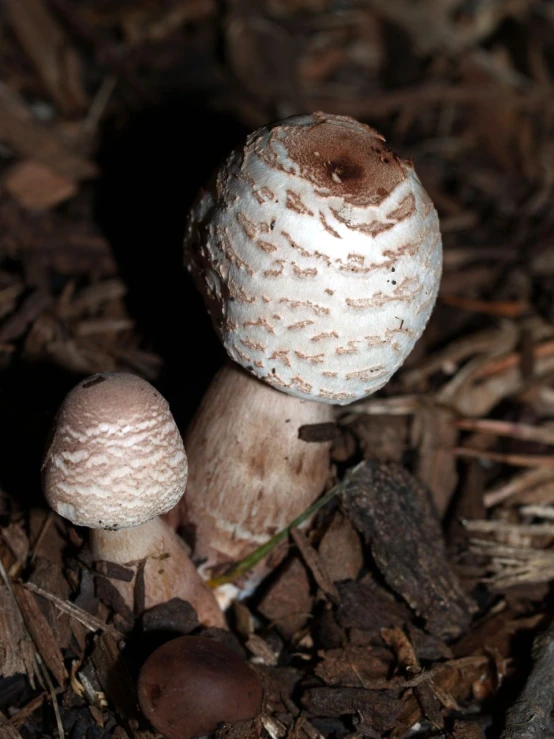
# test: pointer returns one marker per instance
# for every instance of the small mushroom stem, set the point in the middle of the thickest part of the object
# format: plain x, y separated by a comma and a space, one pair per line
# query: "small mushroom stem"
250, 473
168, 572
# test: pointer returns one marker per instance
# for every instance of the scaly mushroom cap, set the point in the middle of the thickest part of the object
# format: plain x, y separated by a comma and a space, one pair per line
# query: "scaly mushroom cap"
116, 458
319, 254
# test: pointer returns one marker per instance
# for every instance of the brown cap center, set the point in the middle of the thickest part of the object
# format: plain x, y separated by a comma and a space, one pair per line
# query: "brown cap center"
351, 162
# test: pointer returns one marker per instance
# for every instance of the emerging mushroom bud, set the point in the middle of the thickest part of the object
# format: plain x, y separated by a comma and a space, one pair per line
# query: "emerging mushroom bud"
319, 254
115, 462
191, 684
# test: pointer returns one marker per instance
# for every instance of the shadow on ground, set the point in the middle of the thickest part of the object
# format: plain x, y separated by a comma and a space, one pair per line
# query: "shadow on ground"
152, 171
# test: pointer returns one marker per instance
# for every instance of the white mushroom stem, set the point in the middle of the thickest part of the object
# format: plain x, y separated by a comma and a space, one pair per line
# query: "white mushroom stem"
168, 572
249, 472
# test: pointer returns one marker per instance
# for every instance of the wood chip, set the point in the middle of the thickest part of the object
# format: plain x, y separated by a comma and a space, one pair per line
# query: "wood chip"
340, 550
88, 620
7, 730
33, 305
397, 640
434, 435
41, 632
355, 667
261, 651
176, 615
318, 432
12, 637
378, 709
467, 730
16, 539
248, 729
288, 603
395, 515
52, 581
382, 437
36, 187
114, 571
366, 606
39, 142
315, 564
454, 678
50, 51
109, 594
409, 663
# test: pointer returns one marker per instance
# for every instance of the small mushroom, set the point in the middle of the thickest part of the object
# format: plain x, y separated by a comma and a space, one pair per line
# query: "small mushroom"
115, 462
190, 685
318, 253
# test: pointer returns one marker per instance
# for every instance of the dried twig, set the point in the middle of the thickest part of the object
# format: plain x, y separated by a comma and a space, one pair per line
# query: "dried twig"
508, 429
511, 566
502, 308
52, 692
518, 484
90, 622
514, 529
518, 460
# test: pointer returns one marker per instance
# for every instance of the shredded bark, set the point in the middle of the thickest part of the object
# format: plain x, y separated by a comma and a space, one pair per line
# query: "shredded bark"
394, 513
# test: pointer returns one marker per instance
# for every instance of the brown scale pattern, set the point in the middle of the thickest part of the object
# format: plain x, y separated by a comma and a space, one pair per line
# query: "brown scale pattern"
313, 216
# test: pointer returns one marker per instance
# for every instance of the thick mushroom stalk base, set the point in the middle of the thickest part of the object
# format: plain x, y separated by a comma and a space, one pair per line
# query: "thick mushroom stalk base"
168, 571
249, 472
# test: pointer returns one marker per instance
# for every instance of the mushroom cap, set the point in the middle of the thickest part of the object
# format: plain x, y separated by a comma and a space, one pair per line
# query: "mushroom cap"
191, 684
319, 255
116, 457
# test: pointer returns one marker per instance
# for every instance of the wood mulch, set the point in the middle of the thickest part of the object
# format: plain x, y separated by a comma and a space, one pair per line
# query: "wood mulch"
419, 604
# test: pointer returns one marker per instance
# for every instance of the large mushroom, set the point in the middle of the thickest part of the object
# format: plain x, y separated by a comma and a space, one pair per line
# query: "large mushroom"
116, 461
318, 253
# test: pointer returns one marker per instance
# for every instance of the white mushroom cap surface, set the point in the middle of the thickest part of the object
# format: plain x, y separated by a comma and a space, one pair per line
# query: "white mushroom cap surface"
116, 458
319, 254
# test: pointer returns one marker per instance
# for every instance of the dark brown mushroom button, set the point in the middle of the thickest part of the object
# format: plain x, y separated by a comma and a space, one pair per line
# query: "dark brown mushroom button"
190, 685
